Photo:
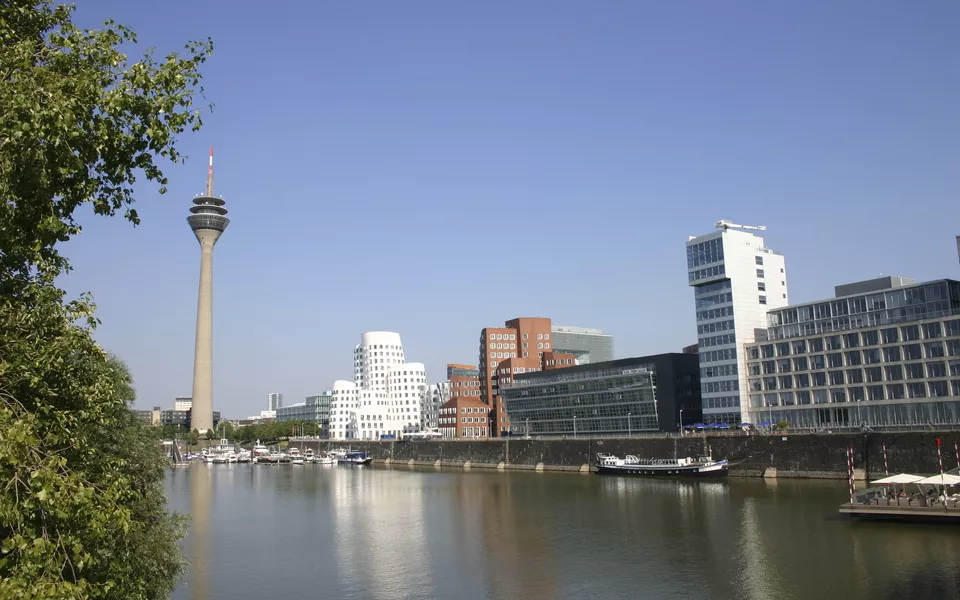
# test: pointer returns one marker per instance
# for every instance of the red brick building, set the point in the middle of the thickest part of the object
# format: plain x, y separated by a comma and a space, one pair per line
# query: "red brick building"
557, 360
464, 417
464, 381
523, 341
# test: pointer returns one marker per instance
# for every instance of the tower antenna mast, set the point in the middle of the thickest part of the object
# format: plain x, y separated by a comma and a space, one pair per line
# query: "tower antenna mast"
210, 175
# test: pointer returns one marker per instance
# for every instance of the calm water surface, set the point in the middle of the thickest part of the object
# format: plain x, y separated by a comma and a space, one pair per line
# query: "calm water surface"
377, 533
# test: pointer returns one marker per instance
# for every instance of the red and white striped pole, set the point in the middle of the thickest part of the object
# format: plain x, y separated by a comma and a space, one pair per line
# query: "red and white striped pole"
886, 470
850, 482
940, 459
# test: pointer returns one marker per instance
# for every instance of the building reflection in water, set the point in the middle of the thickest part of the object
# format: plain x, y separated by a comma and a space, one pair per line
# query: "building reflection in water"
198, 538
379, 527
516, 541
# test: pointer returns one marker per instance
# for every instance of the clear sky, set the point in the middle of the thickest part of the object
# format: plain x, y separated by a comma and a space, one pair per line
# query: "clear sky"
436, 167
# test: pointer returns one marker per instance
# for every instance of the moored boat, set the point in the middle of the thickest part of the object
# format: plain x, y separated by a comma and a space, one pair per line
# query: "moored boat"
608, 464
355, 458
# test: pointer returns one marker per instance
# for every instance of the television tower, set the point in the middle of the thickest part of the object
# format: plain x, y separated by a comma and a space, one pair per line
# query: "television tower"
208, 221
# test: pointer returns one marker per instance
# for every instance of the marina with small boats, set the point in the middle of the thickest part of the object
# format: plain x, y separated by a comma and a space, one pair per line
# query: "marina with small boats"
226, 452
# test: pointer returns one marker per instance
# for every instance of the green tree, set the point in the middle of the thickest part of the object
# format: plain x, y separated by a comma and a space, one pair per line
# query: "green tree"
193, 438
82, 511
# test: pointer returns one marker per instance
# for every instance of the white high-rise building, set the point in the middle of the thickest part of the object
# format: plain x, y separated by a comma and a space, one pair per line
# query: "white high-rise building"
431, 399
385, 398
736, 280
182, 403
274, 401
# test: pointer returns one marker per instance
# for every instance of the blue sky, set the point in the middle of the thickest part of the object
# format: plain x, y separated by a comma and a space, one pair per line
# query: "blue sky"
436, 167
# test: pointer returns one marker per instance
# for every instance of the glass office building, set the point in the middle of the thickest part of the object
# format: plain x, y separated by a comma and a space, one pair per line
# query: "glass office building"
585, 344
315, 409
620, 397
883, 353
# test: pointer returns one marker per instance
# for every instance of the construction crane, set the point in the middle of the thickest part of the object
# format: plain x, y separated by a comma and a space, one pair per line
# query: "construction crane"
724, 224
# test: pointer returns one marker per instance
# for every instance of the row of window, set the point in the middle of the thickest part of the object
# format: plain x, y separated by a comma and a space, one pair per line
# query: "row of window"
718, 371
718, 340
933, 294
705, 253
852, 358
706, 273
714, 313
857, 339
718, 355
868, 375
890, 391
721, 402
715, 327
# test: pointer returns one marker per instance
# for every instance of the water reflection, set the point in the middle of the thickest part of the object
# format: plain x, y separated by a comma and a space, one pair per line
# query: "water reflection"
199, 540
399, 533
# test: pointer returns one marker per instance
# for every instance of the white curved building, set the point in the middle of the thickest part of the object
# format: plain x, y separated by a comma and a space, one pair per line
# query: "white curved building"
343, 410
385, 399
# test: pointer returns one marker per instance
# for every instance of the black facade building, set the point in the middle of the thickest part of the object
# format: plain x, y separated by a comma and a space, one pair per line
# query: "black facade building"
644, 394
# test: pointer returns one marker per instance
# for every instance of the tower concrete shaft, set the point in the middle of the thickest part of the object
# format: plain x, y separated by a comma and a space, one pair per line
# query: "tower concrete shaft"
208, 221
201, 414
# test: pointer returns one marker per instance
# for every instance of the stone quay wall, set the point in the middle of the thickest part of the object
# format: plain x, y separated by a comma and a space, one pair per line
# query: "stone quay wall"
786, 455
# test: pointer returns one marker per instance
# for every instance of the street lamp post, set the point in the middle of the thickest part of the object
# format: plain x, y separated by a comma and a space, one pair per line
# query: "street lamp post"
681, 420
528, 426
574, 425
629, 429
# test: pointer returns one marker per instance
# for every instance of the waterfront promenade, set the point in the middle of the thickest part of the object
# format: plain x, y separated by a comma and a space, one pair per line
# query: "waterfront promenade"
783, 455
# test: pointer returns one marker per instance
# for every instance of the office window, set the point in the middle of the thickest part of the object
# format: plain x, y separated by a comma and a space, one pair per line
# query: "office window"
933, 349
952, 327
853, 358
835, 360
803, 380
932, 331
892, 354
912, 352
871, 356
817, 362
851, 340
800, 347
953, 347
895, 391
816, 345
874, 374
763, 299
938, 388
760, 273
890, 336
761, 286
800, 364
819, 379
914, 370
871, 338
911, 333
894, 372
854, 376
875, 392
936, 369
836, 378
759, 260
917, 390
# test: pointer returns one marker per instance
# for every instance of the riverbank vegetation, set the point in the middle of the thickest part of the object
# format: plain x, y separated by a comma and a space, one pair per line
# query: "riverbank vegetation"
82, 511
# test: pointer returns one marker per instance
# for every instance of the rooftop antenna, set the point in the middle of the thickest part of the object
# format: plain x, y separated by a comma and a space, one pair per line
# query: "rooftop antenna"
724, 224
210, 175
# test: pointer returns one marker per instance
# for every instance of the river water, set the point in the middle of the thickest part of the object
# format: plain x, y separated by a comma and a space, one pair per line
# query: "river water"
380, 533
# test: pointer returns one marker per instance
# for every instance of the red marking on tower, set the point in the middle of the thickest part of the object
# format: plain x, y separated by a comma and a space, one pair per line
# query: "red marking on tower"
210, 174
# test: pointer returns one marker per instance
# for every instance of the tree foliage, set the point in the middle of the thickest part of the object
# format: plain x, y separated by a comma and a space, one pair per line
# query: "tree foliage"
274, 431
78, 122
82, 510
